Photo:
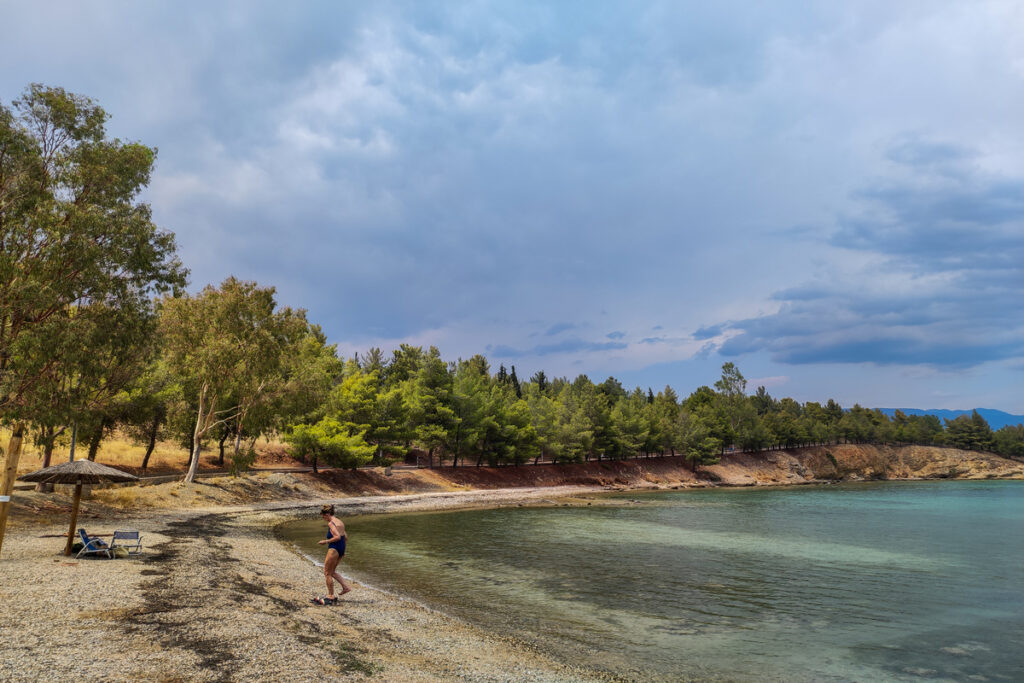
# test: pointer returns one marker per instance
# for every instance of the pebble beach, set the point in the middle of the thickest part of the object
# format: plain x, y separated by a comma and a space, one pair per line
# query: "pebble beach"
216, 597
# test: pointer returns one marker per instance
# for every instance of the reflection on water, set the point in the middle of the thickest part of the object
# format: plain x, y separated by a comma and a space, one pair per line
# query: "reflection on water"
895, 581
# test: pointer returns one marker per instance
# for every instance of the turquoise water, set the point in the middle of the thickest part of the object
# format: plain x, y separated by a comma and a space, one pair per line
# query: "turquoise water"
888, 581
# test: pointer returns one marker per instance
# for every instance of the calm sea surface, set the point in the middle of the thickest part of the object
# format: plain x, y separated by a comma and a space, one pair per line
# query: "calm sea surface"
888, 581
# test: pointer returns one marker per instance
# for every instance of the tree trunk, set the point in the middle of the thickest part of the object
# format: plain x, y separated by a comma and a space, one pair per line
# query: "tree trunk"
223, 438
197, 437
315, 471
154, 428
51, 436
10, 473
96, 438
74, 441
238, 440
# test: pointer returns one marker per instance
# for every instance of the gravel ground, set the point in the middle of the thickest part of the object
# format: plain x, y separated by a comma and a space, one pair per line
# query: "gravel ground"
216, 598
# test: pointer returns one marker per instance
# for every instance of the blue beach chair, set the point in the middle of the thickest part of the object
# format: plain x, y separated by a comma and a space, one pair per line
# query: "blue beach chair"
92, 546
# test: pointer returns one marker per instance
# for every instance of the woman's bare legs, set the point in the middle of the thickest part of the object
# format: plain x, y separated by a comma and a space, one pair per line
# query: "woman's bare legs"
331, 573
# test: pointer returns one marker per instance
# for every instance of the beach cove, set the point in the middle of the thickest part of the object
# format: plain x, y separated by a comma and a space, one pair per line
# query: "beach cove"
218, 597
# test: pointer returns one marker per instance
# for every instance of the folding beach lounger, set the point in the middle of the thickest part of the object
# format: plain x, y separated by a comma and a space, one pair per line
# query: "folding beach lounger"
92, 546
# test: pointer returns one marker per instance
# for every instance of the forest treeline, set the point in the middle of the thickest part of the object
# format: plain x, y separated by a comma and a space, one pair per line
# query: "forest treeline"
97, 334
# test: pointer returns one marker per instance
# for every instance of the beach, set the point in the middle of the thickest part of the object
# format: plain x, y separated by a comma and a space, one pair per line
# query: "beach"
216, 597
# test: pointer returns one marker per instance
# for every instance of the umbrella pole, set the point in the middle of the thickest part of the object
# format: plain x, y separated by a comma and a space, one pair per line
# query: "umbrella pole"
74, 517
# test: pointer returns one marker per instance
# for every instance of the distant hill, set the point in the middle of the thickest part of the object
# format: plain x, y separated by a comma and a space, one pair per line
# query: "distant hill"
995, 418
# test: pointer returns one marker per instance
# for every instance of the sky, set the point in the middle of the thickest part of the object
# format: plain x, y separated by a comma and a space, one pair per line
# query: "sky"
828, 194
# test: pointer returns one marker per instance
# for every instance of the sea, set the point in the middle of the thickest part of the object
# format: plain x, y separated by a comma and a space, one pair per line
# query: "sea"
889, 581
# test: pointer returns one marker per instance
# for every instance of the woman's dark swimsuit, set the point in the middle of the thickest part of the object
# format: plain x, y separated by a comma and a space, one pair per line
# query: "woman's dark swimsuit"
338, 545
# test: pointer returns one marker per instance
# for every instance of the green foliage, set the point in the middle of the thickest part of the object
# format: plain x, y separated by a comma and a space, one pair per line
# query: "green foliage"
79, 258
242, 461
329, 442
228, 347
970, 433
1009, 441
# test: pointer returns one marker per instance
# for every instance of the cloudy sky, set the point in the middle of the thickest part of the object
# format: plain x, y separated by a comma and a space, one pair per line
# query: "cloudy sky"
829, 194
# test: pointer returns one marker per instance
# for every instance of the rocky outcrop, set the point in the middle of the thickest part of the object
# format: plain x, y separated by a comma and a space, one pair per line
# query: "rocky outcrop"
861, 462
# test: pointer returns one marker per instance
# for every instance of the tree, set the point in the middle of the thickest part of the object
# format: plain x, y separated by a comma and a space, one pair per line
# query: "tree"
699, 445
427, 396
732, 384
374, 360
405, 361
359, 403
1009, 441
970, 433
75, 242
515, 383
331, 442
223, 340
471, 385
763, 402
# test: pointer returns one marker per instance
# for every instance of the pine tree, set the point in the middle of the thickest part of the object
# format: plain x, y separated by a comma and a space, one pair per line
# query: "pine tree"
541, 380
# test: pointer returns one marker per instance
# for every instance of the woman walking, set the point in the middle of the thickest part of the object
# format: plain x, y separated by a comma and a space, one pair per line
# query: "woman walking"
335, 543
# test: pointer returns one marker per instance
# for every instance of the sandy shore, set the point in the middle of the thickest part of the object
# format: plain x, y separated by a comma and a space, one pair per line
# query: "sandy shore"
216, 597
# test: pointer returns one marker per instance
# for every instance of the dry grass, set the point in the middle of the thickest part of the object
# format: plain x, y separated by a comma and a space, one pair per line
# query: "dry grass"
119, 451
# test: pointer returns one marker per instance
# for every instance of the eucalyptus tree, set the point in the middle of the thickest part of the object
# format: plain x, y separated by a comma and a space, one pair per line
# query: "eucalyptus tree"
75, 242
226, 345
148, 405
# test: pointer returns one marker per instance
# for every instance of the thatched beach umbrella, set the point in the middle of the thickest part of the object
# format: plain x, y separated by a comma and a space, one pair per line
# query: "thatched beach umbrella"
78, 473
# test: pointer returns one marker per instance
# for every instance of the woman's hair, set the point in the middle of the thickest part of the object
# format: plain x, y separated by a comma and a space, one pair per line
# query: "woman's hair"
326, 509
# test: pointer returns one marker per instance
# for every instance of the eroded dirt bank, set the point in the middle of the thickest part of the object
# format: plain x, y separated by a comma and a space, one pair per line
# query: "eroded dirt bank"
845, 462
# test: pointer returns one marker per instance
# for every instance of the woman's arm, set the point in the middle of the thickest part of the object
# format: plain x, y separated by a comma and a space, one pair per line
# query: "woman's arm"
336, 533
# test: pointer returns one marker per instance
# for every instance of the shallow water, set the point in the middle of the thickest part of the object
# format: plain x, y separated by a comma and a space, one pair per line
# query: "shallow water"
889, 581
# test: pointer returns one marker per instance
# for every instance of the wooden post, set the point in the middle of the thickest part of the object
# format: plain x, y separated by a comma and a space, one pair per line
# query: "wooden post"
74, 517
10, 473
